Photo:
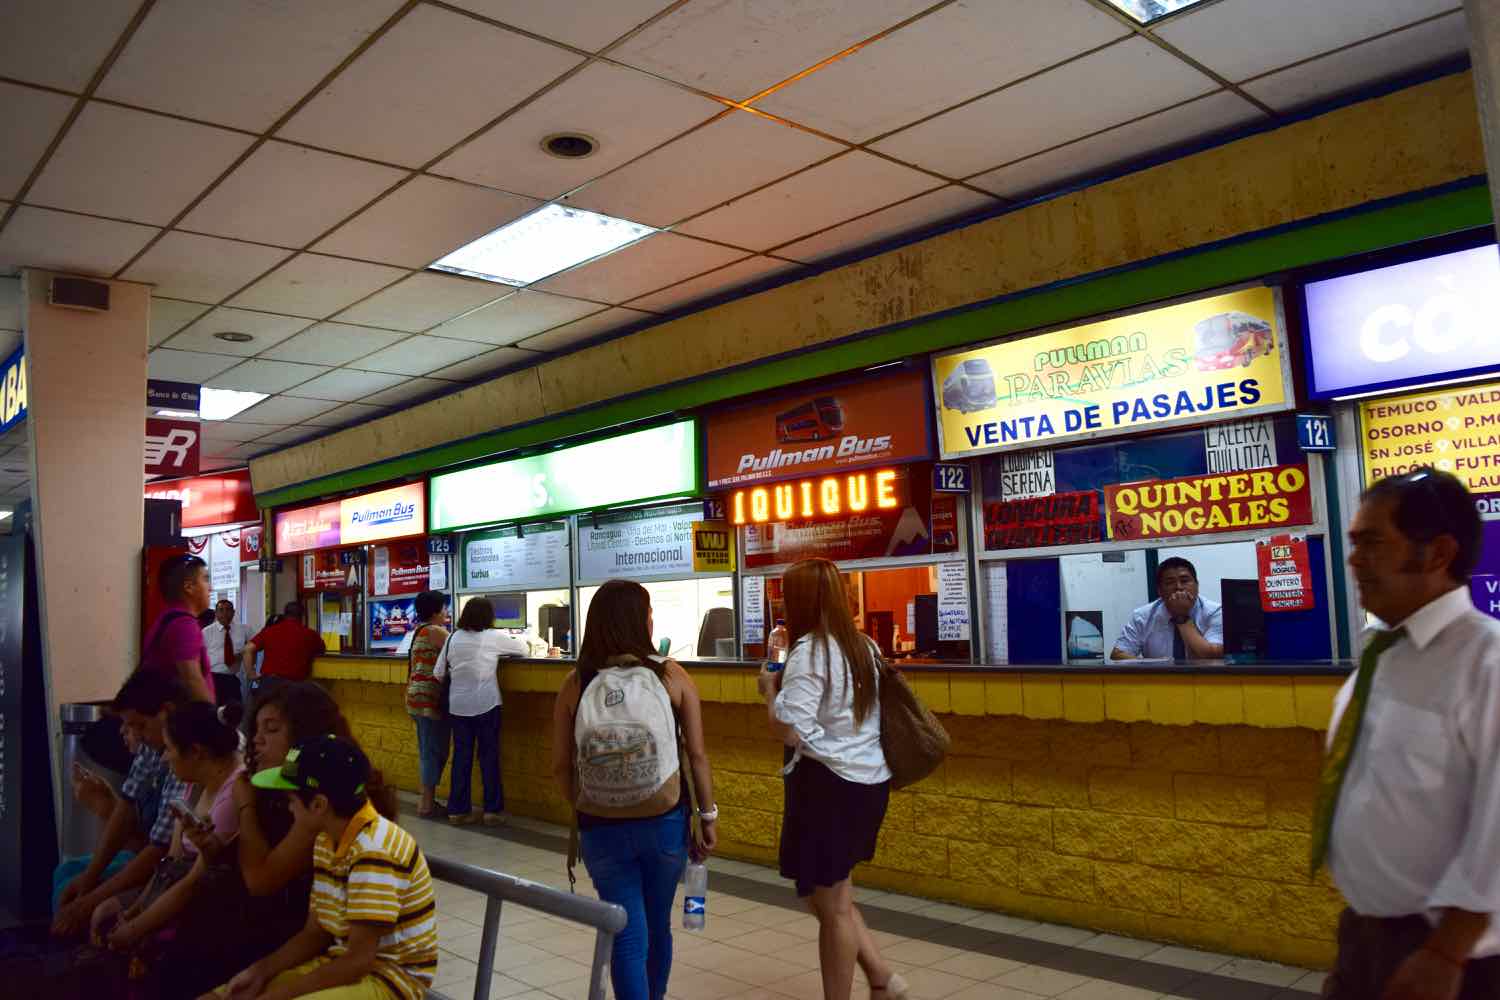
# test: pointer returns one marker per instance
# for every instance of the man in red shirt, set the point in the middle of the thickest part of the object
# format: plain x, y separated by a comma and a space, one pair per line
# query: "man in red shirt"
290, 646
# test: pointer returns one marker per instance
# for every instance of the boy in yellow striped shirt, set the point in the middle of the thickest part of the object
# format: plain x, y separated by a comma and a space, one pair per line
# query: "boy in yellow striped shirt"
371, 931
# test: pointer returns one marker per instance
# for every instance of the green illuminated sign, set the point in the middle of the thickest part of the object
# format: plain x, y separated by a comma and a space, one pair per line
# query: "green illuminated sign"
643, 465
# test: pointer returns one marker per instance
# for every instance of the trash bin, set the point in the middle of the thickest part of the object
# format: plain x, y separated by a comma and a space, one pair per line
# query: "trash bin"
80, 828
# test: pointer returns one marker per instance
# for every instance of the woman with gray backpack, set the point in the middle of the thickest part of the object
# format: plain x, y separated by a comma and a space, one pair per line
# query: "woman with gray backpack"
628, 752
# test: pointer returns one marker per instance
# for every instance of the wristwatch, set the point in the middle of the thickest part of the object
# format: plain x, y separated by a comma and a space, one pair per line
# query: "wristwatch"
709, 815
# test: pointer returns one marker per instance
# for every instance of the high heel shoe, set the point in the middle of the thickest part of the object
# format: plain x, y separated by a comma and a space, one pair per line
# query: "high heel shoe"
895, 988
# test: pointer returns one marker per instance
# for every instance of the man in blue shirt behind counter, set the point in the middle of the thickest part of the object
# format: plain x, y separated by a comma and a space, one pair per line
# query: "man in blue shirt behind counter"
1179, 625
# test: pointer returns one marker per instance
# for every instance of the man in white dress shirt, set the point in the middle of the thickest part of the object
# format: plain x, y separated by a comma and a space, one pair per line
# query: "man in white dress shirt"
1411, 787
225, 639
1179, 625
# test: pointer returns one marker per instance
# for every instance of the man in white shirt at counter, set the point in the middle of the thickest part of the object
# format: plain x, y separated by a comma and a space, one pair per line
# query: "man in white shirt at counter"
225, 640
1408, 815
1179, 625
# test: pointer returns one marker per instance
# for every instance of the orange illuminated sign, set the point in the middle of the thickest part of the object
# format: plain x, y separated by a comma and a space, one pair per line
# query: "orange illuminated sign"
821, 496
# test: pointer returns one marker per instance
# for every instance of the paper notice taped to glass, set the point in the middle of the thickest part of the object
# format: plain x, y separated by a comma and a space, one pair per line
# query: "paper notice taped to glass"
953, 602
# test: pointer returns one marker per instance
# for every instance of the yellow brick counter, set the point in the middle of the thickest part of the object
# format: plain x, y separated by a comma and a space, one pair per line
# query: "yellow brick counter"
1174, 807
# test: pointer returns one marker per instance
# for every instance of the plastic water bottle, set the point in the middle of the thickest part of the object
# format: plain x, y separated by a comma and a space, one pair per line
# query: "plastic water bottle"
778, 641
695, 896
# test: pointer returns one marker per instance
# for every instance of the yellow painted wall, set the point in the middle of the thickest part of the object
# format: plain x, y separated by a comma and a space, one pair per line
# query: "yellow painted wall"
1169, 808
1408, 141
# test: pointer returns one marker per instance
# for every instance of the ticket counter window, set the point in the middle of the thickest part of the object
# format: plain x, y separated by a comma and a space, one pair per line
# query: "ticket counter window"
338, 616
694, 617
540, 617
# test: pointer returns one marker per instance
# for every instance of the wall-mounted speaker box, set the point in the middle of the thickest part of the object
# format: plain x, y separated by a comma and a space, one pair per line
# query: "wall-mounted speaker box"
78, 293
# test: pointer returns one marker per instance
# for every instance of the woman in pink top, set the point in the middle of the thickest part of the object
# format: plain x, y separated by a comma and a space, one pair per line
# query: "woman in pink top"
174, 643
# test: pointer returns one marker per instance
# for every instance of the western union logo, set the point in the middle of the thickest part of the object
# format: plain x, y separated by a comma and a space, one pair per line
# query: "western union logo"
713, 548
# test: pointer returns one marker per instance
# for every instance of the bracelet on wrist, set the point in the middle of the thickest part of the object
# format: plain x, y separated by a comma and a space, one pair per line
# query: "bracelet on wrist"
710, 815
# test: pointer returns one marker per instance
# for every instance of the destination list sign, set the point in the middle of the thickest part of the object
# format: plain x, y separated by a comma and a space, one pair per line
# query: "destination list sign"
1455, 430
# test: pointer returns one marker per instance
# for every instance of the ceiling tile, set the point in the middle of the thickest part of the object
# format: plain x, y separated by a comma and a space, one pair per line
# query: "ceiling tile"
349, 413
737, 49
257, 375
228, 457
1244, 38
221, 61
30, 31
433, 79
1342, 72
891, 223
411, 389
281, 410
290, 435
819, 197
1056, 168
517, 317
704, 169
714, 283
289, 195
651, 263
170, 315
347, 385
59, 241
625, 111
10, 305
315, 286
587, 24
227, 432
420, 355
565, 337
953, 54
202, 268
424, 220
487, 363
268, 329
32, 118
422, 301
156, 165
186, 366
334, 344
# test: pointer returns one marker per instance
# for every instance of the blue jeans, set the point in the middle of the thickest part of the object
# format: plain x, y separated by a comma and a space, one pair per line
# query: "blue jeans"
433, 736
70, 868
638, 864
468, 730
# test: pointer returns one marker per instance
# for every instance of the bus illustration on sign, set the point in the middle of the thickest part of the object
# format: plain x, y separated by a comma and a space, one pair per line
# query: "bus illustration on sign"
814, 420
971, 387
1231, 339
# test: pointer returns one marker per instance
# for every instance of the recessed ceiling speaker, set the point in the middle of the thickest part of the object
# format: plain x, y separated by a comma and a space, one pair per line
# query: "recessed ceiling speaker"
78, 293
570, 145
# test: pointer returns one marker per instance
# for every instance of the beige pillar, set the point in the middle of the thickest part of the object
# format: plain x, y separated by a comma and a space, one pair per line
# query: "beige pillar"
86, 393
1484, 49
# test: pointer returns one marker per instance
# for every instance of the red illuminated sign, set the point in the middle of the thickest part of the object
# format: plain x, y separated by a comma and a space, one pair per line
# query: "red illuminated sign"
222, 498
1059, 519
821, 497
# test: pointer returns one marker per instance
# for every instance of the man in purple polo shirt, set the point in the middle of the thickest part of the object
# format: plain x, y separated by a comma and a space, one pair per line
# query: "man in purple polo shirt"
174, 643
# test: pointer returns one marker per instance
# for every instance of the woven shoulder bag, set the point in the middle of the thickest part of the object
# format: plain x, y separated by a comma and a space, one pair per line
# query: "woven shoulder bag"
914, 741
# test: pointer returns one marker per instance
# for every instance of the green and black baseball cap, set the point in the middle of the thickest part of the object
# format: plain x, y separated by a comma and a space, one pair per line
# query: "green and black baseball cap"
327, 764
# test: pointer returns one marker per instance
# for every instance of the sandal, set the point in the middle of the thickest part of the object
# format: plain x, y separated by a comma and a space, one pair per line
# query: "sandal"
895, 988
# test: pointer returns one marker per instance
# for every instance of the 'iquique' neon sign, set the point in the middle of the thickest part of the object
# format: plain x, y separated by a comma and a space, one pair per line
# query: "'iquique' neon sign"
821, 496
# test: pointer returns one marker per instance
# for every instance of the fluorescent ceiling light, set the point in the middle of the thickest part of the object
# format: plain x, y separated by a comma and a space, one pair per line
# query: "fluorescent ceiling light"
5, 513
1147, 11
549, 240
181, 414
221, 404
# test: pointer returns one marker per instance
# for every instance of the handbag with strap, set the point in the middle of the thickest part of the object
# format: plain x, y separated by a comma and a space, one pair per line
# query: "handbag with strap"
913, 739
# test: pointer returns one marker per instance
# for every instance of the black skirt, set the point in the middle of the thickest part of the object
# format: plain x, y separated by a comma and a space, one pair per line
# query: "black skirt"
830, 825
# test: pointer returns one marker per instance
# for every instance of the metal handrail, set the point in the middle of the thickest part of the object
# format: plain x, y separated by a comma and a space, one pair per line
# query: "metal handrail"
607, 919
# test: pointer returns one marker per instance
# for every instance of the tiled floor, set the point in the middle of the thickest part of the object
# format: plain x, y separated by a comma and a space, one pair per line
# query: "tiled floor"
759, 946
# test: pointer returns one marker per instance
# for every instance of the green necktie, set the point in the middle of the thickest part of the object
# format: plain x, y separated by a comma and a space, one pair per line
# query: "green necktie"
1336, 763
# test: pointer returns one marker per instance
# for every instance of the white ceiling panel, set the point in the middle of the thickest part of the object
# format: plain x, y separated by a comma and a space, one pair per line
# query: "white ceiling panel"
228, 457
170, 315
281, 410
423, 301
704, 169
486, 364
334, 344
575, 333
626, 112
202, 268
1047, 171
720, 282
1114, 85
257, 375
822, 196
347, 386
229, 433
30, 31
424, 220
289, 435
1387, 56
238, 64
10, 305
1244, 38
411, 389
32, 118
289, 195
420, 355
652, 263
517, 317
930, 209
588, 24
737, 49
36, 237
156, 165
315, 286
187, 366
349, 413
433, 79
954, 54
268, 329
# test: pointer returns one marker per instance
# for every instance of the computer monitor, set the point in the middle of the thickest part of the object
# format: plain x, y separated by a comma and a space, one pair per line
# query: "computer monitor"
1244, 621
510, 610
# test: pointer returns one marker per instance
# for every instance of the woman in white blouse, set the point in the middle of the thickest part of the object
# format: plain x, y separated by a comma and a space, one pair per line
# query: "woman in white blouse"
471, 659
838, 785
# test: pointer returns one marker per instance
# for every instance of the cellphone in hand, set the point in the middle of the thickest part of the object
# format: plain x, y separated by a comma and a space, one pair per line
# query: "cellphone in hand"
184, 812
775, 666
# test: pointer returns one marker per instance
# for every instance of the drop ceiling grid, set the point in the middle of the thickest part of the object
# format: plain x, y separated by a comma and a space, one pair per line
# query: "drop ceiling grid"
211, 248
